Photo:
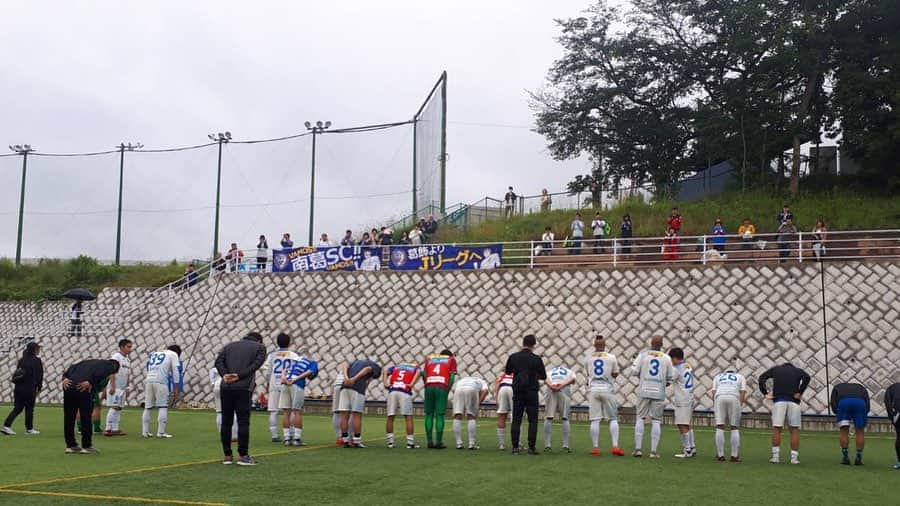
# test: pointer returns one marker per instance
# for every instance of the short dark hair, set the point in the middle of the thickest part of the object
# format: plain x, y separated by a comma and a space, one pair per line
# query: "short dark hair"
124, 342
176, 349
446, 351
529, 340
677, 353
256, 336
283, 340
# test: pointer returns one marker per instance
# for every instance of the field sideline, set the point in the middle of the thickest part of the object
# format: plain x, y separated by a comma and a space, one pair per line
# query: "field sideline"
187, 470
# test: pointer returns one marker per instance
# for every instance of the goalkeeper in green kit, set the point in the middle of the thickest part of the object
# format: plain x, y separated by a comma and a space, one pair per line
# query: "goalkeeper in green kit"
440, 373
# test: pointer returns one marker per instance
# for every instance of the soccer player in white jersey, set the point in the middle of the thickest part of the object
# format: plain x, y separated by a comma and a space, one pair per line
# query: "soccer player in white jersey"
683, 386
503, 394
654, 371
558, 402
277, 362
216, 380
160, 366
470, 393
295, 379
118, 387
601, 369
729, 393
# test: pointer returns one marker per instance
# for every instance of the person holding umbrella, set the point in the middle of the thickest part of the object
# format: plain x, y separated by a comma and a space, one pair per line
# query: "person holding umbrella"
76, 314
29, 380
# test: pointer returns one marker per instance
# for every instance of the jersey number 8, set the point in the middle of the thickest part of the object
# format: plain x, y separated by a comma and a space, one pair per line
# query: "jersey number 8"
598, 367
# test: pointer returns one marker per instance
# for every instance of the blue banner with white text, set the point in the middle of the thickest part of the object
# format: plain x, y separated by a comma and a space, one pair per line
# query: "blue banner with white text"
442, 257
334, 258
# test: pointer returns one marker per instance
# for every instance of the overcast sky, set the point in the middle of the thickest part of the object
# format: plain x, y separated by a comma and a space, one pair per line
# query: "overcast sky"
85, 76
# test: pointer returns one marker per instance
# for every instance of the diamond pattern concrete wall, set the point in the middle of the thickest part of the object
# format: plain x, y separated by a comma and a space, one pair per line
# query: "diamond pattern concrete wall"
757, 316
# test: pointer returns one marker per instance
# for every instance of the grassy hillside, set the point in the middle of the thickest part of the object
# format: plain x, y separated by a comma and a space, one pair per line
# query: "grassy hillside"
840, 210
50, 278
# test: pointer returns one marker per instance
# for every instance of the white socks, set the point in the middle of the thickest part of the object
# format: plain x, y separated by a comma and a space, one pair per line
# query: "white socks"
162, 418
614, 432
501, 436
720, 443
473, 427
548, 431
273, 423
567, 430
112, 419
735, 442
390, 438
691, 443
655, 432
686, 441
595, 433
219, 422
145, 422
457, 431
638, 433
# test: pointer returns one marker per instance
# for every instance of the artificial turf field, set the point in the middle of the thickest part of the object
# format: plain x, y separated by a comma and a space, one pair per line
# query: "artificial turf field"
187, 469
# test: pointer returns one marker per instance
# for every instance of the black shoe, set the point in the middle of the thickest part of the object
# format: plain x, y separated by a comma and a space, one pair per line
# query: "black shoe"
858, 461
516, 451
532, 451
430, 445
440, 446
845, 461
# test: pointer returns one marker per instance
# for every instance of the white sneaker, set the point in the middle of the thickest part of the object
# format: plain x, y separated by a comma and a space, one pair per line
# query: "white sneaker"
775, 459
32, 432
390, 445
501, 447
8, 431
147, 435
163, 435
795, 460
683, 455
474, 447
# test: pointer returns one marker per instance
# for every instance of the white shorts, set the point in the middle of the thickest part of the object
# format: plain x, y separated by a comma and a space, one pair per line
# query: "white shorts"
557, 403
217, 399
351, 400
650, 408
684, 414
603, 406
466, 402
399, 403
275, 396
291, 398
785, 410
728, 411
504, 400
116, 400
156, 395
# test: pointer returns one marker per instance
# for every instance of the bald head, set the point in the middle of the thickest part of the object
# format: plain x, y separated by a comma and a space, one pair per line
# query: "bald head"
656, 342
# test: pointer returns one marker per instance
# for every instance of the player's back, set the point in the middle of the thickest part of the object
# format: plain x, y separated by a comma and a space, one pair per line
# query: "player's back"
601, 367
730, 383
124, 369
683, 383
300, 366
471, 382
279, 362
559, 375
654, 371
161, 365
401, 376
438, 369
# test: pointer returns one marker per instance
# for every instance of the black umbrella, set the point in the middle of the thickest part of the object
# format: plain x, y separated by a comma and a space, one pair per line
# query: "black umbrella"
79, 294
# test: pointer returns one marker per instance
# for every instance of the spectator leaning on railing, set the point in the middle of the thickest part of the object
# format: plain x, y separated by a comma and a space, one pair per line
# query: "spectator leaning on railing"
348, 239
670, 244
820, 234
746, 231
262, 253
324, 242
547, 242
234, 257
626, 231
286, 241
786, 236
718, 232
218, 264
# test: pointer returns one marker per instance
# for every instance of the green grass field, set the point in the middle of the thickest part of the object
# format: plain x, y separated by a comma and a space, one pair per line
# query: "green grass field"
186, 469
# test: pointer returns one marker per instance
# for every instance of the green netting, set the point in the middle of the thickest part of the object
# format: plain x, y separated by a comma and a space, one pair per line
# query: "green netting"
430, 152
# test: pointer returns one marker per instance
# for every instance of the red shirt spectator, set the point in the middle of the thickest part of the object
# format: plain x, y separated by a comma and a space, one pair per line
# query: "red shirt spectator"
670, 244
675, 220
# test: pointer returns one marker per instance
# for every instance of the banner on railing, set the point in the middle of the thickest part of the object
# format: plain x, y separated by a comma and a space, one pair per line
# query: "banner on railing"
441, 257
335, 258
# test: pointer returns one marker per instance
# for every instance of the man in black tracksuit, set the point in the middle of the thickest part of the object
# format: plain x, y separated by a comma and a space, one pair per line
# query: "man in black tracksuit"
79, 381
527, 370
237, 363
789, 383
892, 403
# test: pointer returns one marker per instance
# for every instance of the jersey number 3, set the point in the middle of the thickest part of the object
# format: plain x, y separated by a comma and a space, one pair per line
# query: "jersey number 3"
654, 367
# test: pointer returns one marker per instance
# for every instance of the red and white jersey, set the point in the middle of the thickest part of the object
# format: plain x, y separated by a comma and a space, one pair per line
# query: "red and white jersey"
438, 370
505, 380
401, 377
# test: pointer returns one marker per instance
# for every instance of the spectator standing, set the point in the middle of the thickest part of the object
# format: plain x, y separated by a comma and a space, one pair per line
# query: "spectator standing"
892, 404
746, 231
528, 371
366, 240
784, 215
404, 239
421, 224
670, 245
234, 257
509, 201
387, 236
546, 201
262, 253
76, 313
788, 385
286, 241
191, 276
820, 235
78, 382
601, 230
785, 238
348, 239
547, 242
28, 379
376, 236
218, 264
675, 220
577, 229
431, 226
324, 242
415, 236
718, 232
626, 232
237, 364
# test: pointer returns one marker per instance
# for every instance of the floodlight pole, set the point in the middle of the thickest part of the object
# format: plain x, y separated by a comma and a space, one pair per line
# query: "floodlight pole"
316, 129
219, 139
22, 150
122, 147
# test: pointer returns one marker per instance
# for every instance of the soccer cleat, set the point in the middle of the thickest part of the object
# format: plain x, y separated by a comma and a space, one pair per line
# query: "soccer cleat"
276, 439
596, 452
459, 446
517, 451
359, 445
228, 460
430, 445
390, 445
533, 451
412, 446
348, 444
339, 442
845, 461
683, 455
567, 449
654, 455
720, 458
119, 433
287, 442
147, 435
8, 431
163, 436
775, 459
547, 449
32, 432
89, 450
897, 465
246, 461
795, 460
637, 454
501, 447
73, 449
858, 461
440, 446
298, 442
474, 447
618, 452
737, 459
107, 433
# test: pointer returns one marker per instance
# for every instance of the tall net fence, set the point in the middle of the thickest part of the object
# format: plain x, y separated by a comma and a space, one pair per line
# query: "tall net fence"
430, 124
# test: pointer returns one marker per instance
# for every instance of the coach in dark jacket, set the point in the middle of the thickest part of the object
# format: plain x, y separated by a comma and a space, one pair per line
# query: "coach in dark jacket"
528, 370
28, 381
78, 382
237, 363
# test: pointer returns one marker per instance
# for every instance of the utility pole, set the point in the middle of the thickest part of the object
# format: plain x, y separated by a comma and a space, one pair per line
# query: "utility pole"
219, 138
122, 147
22, 149
316, 129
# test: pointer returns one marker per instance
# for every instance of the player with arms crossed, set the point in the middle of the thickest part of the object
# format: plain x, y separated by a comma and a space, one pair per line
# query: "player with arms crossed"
399, 379
729, 393
683, 386
892, 403
601, 369
440, 373
294, 379
160, 367
654, 371
558, 401
277, 362
118, 387
503, 393
469, 393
